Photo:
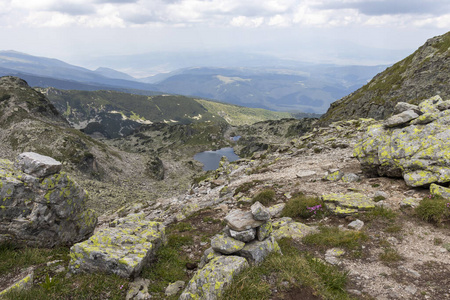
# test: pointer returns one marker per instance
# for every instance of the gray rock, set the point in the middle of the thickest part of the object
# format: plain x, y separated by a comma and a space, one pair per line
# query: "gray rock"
400, 119
425, 118
381, 195
244, 236
414, 152
225, 244
173, 288
264, 231
138, 290
410, 202
403, 106
37, 165
444, 105
347, 204
350, 177
42, 214
276, 210
305, 173
440, 191
256, 251
207, 256
22, 281
333, 175
356, 225
240, 220
209, 282
260, 212
294, 230
122, 250
430, 105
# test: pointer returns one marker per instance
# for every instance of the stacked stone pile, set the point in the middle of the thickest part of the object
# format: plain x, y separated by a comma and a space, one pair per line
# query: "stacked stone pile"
247, 239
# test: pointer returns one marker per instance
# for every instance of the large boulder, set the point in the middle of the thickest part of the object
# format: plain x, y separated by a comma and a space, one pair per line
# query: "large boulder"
208, 283
42, 212
418, 152
122, 250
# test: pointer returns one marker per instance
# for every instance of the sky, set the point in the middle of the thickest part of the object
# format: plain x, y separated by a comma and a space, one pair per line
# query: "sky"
366, 32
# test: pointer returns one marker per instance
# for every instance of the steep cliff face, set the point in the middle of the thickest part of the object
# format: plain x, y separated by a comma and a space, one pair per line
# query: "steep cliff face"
421, 75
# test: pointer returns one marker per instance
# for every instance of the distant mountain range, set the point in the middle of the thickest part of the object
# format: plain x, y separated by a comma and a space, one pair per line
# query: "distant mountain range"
298, 87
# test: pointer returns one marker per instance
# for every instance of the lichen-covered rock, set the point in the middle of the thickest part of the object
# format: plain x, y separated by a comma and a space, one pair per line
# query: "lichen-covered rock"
347, 204
418, 153
294, 230
225, 244
22, 281
138, 290
440, 191
243, 236
256, 251
334, 175
403, 106
410, 202
240, 220
37, 165
43, 213
122, 250
276, 210
208, 283
264, 231
350, 177
207, 256
260, 212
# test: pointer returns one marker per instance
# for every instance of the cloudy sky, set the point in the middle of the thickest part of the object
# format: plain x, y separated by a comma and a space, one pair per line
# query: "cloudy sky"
339, 31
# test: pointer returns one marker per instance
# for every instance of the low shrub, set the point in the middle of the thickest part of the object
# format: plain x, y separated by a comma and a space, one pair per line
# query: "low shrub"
265, 197
301, 206
328, 237
434, 209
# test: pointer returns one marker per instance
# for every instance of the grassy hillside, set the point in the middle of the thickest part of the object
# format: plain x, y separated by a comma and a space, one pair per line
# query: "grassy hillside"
421, 75
239, 115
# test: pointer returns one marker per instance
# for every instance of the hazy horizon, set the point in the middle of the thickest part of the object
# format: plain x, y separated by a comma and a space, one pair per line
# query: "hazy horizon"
97, 33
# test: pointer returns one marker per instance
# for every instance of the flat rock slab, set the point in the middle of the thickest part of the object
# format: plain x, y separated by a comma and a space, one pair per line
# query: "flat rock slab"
305, 173
400, 119
37, 165
122, 250
255, 252
240, 220
351, 200
294, 230
209, 282
225, 244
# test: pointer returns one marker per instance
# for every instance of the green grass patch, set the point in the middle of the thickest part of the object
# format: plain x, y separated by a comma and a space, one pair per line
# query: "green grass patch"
434, 210
291, 270
329, 237
390, 255
13, 259
380, 212
246, 186
265, 197
301, 206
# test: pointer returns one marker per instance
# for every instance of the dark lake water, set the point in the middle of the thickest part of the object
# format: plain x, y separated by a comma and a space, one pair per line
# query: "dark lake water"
211, 159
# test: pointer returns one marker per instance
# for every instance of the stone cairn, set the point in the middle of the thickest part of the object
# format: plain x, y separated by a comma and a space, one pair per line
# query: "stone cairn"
247, 239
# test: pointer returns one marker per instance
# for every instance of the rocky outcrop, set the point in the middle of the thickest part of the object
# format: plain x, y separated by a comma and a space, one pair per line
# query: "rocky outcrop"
417, 151
122, 250
209, 282
421, 75
44, 211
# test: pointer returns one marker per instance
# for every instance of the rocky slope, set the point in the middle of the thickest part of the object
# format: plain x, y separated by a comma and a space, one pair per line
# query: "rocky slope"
421, 75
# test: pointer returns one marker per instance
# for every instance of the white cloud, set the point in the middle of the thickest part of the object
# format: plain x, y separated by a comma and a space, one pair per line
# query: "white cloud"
242, 21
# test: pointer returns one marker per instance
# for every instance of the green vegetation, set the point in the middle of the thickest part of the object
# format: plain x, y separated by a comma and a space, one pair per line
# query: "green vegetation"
380, 212
52, 285
246, 186
434, 209
444, 44
390, 255
239, 115
301, 206
334, 237
293, 270
265, 197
